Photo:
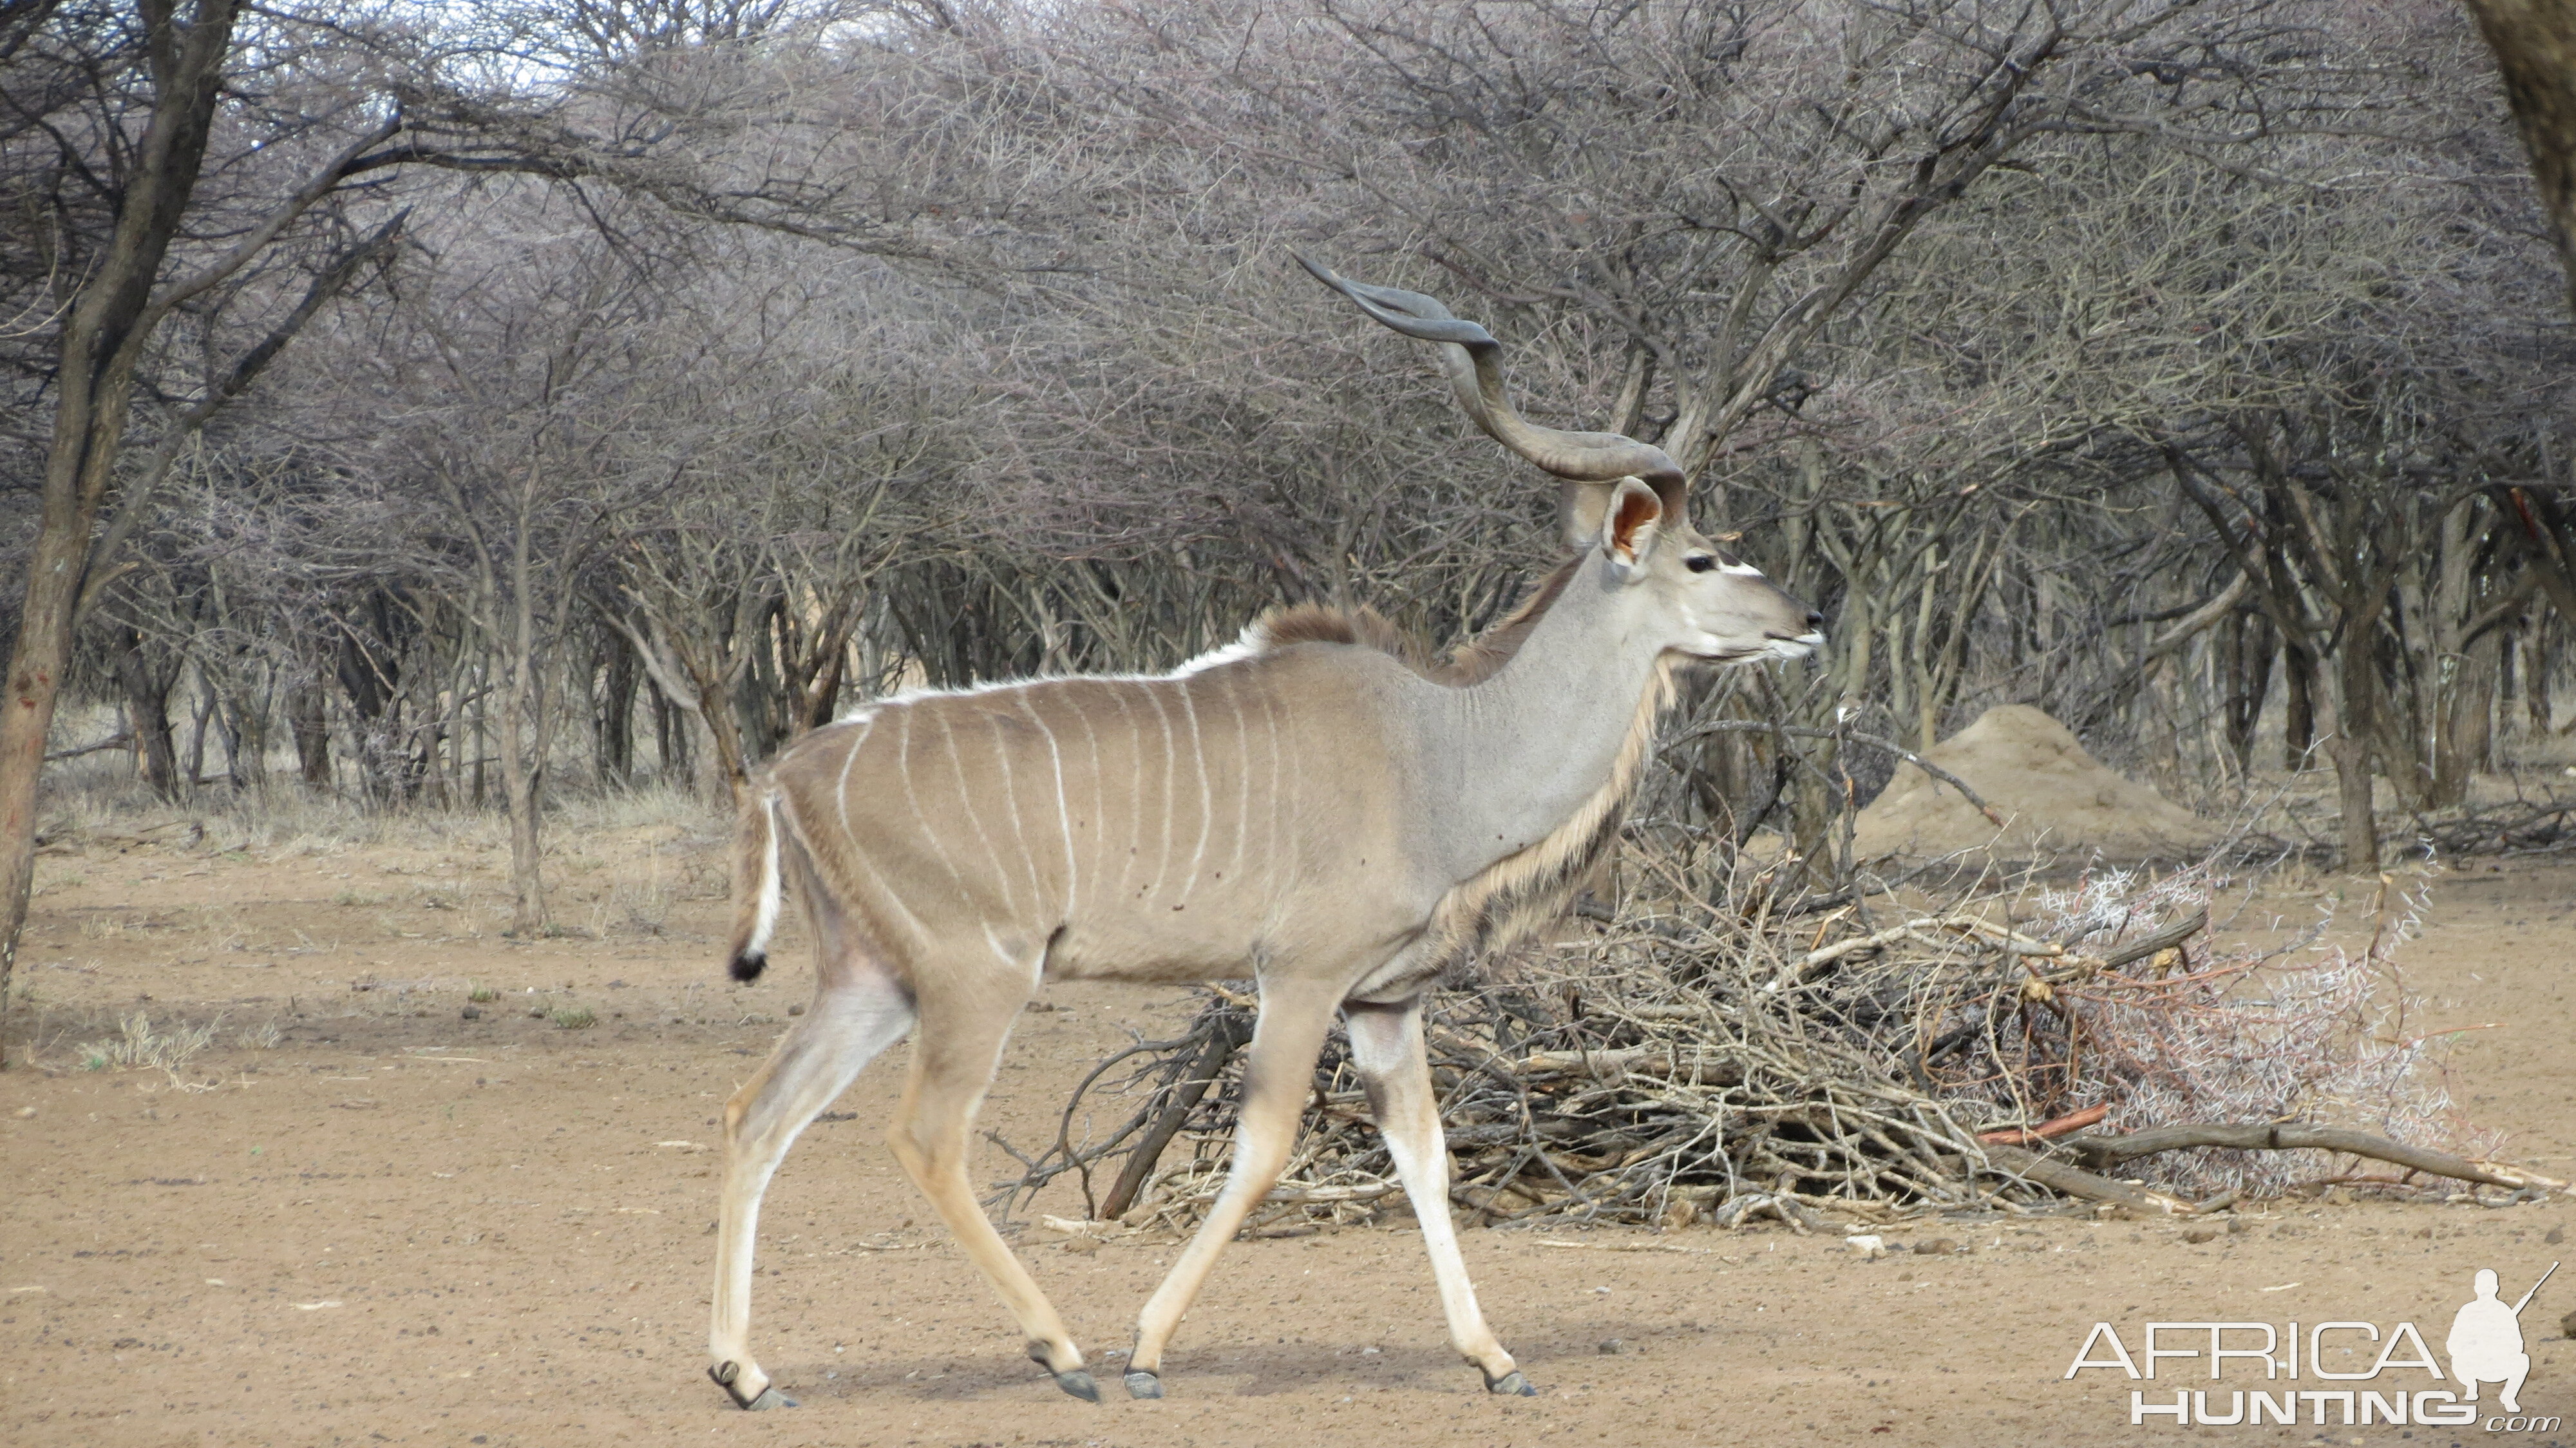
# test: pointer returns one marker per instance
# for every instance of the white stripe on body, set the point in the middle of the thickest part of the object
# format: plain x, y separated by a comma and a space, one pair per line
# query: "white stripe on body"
1019, 821
1063, 815
1207, 799
841, 800
1278, 797
1099, 810
1135, 799
903, 768
1163, 860
966, 800
1242, 780
841, 790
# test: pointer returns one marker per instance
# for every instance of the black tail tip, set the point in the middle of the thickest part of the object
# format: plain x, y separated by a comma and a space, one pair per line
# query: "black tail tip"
747, 965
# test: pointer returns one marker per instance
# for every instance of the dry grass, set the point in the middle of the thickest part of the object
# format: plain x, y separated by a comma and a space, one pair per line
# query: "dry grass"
137, 1045
99, 796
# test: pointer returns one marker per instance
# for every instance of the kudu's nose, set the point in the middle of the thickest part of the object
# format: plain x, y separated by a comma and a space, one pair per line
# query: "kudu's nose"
1816, 620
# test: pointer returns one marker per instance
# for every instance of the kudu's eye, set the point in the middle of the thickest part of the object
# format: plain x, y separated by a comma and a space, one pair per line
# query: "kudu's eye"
1700, 562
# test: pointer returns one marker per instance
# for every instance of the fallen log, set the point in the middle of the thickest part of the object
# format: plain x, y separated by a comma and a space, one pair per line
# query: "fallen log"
2105, 1151
2075, 1181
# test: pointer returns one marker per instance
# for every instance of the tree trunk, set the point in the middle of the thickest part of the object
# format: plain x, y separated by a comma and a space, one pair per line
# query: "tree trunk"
2299, 708
245, 724
2535, 676
613, 747
521, 779
308, 717
2356, 680
371, 673
670, 736
147, 707
2466, 747
27, 713
2246, 645
2535, 49
701, 681
524, 735
193, 768
102, 339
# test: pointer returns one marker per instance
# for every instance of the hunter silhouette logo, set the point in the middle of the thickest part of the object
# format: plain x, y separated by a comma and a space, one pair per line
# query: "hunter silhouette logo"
2486, 1341
2485, 1346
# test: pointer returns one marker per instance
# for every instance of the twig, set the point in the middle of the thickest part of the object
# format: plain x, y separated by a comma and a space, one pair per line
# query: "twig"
1225, 1032
2113, 1150
2155, 944
1632, 1247
2046, 1130
2074, 1181
121, 741
1757, 726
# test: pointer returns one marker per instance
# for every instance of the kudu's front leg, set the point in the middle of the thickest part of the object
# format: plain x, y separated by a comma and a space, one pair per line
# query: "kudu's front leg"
1387, 1051
1278, 1072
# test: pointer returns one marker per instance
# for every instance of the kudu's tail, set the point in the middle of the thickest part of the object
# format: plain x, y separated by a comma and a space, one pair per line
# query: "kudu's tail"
755, 884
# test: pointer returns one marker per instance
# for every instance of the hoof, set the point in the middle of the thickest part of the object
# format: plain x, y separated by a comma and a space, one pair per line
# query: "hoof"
1142, 1384
1079, 1384
767, 1398
1511, 1384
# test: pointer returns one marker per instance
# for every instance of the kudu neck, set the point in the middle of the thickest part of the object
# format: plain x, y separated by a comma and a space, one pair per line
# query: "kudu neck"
1529, 747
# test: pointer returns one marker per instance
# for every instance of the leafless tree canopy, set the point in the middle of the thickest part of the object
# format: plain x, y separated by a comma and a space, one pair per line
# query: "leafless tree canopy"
456, 406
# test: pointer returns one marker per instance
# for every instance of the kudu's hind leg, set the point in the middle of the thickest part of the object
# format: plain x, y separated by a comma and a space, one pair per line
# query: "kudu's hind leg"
1278, 1073
1386, 1050
952, 1067
860, 1011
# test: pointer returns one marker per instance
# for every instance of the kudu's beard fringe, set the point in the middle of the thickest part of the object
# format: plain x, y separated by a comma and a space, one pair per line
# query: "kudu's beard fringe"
1707, 1057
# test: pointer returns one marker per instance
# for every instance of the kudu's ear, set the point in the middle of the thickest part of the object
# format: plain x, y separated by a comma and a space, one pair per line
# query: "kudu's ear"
1634, 517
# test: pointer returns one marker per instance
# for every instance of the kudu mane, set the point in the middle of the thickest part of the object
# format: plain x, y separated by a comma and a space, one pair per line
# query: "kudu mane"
1472, 662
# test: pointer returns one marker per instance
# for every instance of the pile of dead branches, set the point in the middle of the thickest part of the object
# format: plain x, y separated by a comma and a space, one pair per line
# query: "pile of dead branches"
2525, 825
1699, 1055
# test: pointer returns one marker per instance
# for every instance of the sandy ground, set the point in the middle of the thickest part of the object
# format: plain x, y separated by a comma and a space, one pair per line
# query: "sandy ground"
396, 1224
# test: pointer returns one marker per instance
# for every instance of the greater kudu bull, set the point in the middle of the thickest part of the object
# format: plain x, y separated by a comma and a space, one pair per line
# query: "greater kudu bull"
1307, 807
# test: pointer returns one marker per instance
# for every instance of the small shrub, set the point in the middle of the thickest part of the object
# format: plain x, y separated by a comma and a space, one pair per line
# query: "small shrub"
138, 1044
645, 904
573, 1018
481, 995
